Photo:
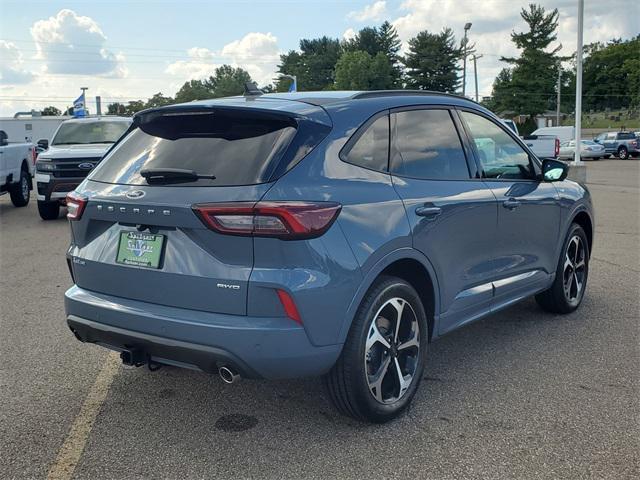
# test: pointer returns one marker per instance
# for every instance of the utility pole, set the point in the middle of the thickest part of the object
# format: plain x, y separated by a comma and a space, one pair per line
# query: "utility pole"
467, 26
558, 96
578, 127
475, 72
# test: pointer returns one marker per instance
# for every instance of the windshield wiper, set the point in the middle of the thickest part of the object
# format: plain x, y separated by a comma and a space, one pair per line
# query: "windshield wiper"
172, 175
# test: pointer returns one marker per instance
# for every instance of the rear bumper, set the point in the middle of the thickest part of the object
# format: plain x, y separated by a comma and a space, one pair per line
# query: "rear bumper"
257, 347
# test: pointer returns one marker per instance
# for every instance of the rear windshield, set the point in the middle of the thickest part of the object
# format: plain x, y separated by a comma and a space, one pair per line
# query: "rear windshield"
74, 133
238, 148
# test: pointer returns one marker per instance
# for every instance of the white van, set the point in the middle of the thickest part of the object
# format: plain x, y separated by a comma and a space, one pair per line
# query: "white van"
564, 134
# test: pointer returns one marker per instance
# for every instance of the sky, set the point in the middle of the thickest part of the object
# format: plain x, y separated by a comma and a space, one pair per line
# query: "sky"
129, 50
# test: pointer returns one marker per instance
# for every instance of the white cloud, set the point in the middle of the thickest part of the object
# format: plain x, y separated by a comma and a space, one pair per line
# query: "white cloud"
375, 11
257, 53
72, 44
200, 65
11, 65
349, 34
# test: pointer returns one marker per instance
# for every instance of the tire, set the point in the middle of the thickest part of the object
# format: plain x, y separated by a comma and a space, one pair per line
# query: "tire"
20, 192
623, 153
48, 210
351, 382
567, 291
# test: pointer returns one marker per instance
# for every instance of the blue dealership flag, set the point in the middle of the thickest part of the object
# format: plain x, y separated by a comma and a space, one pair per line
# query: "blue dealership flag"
294, 86
79, 106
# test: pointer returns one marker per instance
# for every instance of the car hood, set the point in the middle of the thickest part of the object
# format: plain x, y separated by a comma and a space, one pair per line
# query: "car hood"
76, 151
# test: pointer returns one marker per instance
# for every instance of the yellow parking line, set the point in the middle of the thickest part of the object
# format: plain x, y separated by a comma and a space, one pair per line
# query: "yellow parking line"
73, 446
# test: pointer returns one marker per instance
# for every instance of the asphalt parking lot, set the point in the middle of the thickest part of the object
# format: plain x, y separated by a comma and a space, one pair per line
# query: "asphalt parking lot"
522, 394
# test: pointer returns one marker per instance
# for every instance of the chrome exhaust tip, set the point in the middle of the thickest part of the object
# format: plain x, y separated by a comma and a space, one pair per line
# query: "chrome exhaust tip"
228, 375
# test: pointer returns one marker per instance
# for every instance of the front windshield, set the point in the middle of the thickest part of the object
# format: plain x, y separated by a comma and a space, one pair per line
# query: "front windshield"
73, 133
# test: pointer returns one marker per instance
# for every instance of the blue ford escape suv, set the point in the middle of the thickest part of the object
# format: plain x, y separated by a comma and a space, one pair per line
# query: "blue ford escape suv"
335, 233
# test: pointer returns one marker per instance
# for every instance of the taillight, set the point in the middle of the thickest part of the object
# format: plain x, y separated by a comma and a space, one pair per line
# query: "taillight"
285, 220
34, 155
75, 205
289, 306
557, 147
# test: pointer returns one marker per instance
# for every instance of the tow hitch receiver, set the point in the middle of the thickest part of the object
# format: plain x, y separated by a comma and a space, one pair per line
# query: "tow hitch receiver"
134, 357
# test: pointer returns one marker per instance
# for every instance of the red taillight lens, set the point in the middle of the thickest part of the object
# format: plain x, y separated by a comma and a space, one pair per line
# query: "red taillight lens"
285, 220
557, 147
75, 205
289, 306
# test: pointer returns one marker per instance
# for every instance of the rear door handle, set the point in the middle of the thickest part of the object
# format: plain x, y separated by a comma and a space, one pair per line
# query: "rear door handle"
428, 211
511, 203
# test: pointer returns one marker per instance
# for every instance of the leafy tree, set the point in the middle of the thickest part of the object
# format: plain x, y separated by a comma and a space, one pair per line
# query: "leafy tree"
432, 61
134, 106
314, 65
51, 111
116, 109
375, 40
193, 90
158, 100
227, 81
358, 70
533, 75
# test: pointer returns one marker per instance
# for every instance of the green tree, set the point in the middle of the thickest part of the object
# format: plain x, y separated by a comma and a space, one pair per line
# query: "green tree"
193, 90
314, 65
116, 108
51, 111
158, 100
432, 62
375, 40
357, 70
134, 106
227, 81
532, 87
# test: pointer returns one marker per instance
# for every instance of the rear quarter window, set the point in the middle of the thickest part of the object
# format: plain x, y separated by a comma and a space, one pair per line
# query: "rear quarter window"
237, 147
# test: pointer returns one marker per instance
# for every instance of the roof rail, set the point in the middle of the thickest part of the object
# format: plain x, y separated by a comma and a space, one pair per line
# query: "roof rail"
392, 93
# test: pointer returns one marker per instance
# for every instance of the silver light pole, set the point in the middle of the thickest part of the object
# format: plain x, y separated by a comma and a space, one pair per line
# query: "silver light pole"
467, 26
578, 122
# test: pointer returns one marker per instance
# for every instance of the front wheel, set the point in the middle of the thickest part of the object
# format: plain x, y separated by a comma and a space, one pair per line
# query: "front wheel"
623, 153
48, 210
20, 193
567, 290
383, 359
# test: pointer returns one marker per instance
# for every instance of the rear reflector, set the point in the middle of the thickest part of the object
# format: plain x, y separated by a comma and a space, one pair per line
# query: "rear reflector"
289, 306
75, 205
285, 220
557, 148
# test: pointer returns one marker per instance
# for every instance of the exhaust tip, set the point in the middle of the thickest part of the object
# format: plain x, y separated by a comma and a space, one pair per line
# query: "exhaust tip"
228, 375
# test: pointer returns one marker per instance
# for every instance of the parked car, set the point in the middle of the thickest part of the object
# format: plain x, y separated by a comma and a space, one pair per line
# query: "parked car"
621, 144
76, 148
564, 134
543, 146
16, 170
590, 150
335, 233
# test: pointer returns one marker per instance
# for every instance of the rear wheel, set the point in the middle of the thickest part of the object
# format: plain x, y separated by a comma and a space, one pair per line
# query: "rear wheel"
48, 210
623, 153
567, 290
383, 359
20, 192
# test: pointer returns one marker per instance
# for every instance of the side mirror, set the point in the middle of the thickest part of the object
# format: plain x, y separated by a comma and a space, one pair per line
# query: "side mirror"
43, 143
554, 170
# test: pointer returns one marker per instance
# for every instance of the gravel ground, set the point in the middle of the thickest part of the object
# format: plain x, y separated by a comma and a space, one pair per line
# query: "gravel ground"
521, 394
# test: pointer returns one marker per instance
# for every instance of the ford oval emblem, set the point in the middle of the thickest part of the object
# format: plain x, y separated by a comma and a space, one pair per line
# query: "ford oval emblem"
135, 194
86, 166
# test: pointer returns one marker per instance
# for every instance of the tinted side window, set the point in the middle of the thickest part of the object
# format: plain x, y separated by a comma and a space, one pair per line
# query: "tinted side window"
500, 155
371, 149
426, 145
626, 136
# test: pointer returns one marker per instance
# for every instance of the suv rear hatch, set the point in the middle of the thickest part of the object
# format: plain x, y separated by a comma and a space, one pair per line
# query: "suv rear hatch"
138, 235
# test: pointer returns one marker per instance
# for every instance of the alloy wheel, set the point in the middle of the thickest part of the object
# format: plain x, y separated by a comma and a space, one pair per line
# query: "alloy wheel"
392, 350
24, 187
574, 272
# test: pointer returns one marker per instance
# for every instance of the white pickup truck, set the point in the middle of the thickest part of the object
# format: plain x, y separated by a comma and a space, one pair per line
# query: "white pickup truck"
544, 142
17, 162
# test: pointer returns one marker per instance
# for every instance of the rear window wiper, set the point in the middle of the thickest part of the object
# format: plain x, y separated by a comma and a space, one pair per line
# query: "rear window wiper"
172, 175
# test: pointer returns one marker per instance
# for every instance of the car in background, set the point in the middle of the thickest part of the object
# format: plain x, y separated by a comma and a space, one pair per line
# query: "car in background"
310, 233
511, 124
75, 149
564, 134
16, 169
590, 150
621, 144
